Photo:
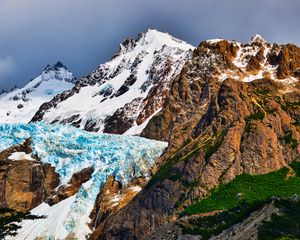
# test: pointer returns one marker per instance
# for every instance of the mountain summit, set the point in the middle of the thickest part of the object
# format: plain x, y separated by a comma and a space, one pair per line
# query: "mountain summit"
20, 104
123, 94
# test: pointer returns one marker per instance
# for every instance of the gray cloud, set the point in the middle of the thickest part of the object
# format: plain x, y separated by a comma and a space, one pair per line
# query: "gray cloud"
85, 33
7, 67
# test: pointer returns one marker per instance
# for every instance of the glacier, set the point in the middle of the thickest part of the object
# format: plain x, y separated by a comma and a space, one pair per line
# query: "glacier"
69, 150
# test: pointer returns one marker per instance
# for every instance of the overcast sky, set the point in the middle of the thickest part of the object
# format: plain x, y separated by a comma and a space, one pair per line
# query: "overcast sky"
85, 33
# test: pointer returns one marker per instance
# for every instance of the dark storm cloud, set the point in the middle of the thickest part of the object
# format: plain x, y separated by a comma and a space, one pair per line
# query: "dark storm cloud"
85, 33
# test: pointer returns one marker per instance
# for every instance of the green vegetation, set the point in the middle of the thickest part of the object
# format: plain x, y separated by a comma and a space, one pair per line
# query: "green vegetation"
261, 91
286, 225
296, 123
271, 110
255, 116
251, 189
10, 219
258, 115
212, 146
165, 171
237, 199
289, 237
288, 139
296, 167
290, 105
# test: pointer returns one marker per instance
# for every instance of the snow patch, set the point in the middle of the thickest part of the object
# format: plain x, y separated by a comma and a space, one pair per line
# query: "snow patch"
52, 225
136, 188
20, 156
137, 129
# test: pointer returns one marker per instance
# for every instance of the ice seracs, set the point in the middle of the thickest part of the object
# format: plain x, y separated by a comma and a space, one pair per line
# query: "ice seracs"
70, 150
20, 105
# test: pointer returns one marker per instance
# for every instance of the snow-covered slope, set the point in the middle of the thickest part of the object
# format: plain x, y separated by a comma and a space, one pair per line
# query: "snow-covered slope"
20, 105
70, 150
125, 92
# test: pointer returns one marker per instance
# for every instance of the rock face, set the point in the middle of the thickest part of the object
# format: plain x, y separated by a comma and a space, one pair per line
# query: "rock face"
72, 187
234, 108
226, 109
248, 228
25, 183
112, 198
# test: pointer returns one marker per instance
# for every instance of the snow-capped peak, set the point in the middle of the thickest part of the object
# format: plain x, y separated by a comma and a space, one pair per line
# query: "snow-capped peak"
156, 37
152, 40
124, 92
56, 67
58, 72
19, 105
3, 91
257, 39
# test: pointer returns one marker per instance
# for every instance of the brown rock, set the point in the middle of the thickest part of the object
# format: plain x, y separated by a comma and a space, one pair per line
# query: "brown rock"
253, 65
230, 128
25, 184
111, 199
288, 60
72, 187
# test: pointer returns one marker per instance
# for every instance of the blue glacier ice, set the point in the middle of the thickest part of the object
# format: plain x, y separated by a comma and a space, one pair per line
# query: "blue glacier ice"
70, 149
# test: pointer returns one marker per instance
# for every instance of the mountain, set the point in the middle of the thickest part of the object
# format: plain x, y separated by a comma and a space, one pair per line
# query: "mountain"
223, 162
3, 91
122, 95
233, 110
20, 104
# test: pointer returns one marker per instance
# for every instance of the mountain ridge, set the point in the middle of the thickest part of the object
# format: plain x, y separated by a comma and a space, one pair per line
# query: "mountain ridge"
20, 104
141, 69
227, 110
233, 109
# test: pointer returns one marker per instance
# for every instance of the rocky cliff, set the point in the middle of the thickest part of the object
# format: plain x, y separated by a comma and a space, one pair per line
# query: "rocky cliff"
233, 109
25, 183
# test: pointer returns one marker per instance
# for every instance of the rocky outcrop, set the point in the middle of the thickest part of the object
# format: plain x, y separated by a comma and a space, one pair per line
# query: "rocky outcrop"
112, 197
248, 228
25, 183
219, 125
72, 187
288, 60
